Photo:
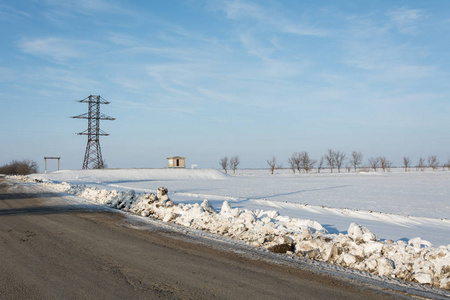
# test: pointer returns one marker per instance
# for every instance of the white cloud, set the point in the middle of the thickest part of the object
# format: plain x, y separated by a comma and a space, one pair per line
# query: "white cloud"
372, 47
255, 47
122, 39
85, 7
168, 52
272, 66
56, 49
104, 13
405, 20
406, 72
8, 13
240, 10
62, 79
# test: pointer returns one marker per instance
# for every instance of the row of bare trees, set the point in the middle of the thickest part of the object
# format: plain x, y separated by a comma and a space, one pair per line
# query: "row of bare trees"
301, 161
333, 159
232, 163
337, 160
431, 162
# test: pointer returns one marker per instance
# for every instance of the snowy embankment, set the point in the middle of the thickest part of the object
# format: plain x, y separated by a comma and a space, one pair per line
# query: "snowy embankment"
415, 260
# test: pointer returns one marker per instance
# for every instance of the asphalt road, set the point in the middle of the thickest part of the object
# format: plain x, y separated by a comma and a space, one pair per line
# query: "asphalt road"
50, 249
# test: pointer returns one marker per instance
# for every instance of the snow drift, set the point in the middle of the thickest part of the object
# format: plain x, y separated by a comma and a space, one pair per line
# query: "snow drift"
117, 175
415, 260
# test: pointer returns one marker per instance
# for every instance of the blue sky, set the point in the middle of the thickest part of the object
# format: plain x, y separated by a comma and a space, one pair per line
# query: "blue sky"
207, 79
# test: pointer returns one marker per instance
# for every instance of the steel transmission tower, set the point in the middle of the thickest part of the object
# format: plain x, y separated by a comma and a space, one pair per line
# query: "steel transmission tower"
93, 156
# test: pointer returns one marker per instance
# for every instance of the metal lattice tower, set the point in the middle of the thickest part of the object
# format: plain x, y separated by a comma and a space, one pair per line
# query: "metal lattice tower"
93, 156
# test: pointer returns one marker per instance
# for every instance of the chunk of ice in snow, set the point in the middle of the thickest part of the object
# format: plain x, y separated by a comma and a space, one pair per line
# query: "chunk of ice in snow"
445, 283
417, 242
357, 231
424, 278
170, 216
372, 247
348, 259
248, 216
161, 191
235, 212
226, 208
207, 206
385, 266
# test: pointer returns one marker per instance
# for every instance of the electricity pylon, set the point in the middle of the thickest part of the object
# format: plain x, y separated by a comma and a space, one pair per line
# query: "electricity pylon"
93, 156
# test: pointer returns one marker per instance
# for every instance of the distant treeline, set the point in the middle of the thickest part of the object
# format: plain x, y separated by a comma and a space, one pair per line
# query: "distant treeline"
23, 167
337, 160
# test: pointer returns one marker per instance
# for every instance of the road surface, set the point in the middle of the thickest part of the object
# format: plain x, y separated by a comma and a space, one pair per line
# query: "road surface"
53, 249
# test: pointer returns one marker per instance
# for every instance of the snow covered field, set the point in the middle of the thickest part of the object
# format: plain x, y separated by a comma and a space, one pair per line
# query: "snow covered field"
317, 212
393, 205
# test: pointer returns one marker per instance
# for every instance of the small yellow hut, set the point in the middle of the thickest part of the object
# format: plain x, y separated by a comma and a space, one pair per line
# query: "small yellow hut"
176, 162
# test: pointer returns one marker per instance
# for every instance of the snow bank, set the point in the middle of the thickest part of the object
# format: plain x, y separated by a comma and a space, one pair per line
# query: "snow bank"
416, 260
117, 175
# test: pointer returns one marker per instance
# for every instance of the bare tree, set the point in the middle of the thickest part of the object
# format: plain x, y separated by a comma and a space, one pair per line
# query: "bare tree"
339, 158
421, 164
272, 164
306, 162
320, 164
234, 162
406, 163
224, 163
373, 163
356, 159
448, 163
298, 161
433, 162
329, 157
294, 162
385, 163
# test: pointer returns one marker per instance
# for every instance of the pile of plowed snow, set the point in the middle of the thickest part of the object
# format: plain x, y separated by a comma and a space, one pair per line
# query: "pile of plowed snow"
416, 260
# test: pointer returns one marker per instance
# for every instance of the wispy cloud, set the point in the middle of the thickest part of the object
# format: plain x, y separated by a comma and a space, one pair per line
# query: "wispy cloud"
9, 13
86, 7
63, 79
173, 32
57, 50
271, 66
255, 46
190, 53
266, 33
104, 13
370, 46
386, 61
241, 10
122, 39
405, 19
